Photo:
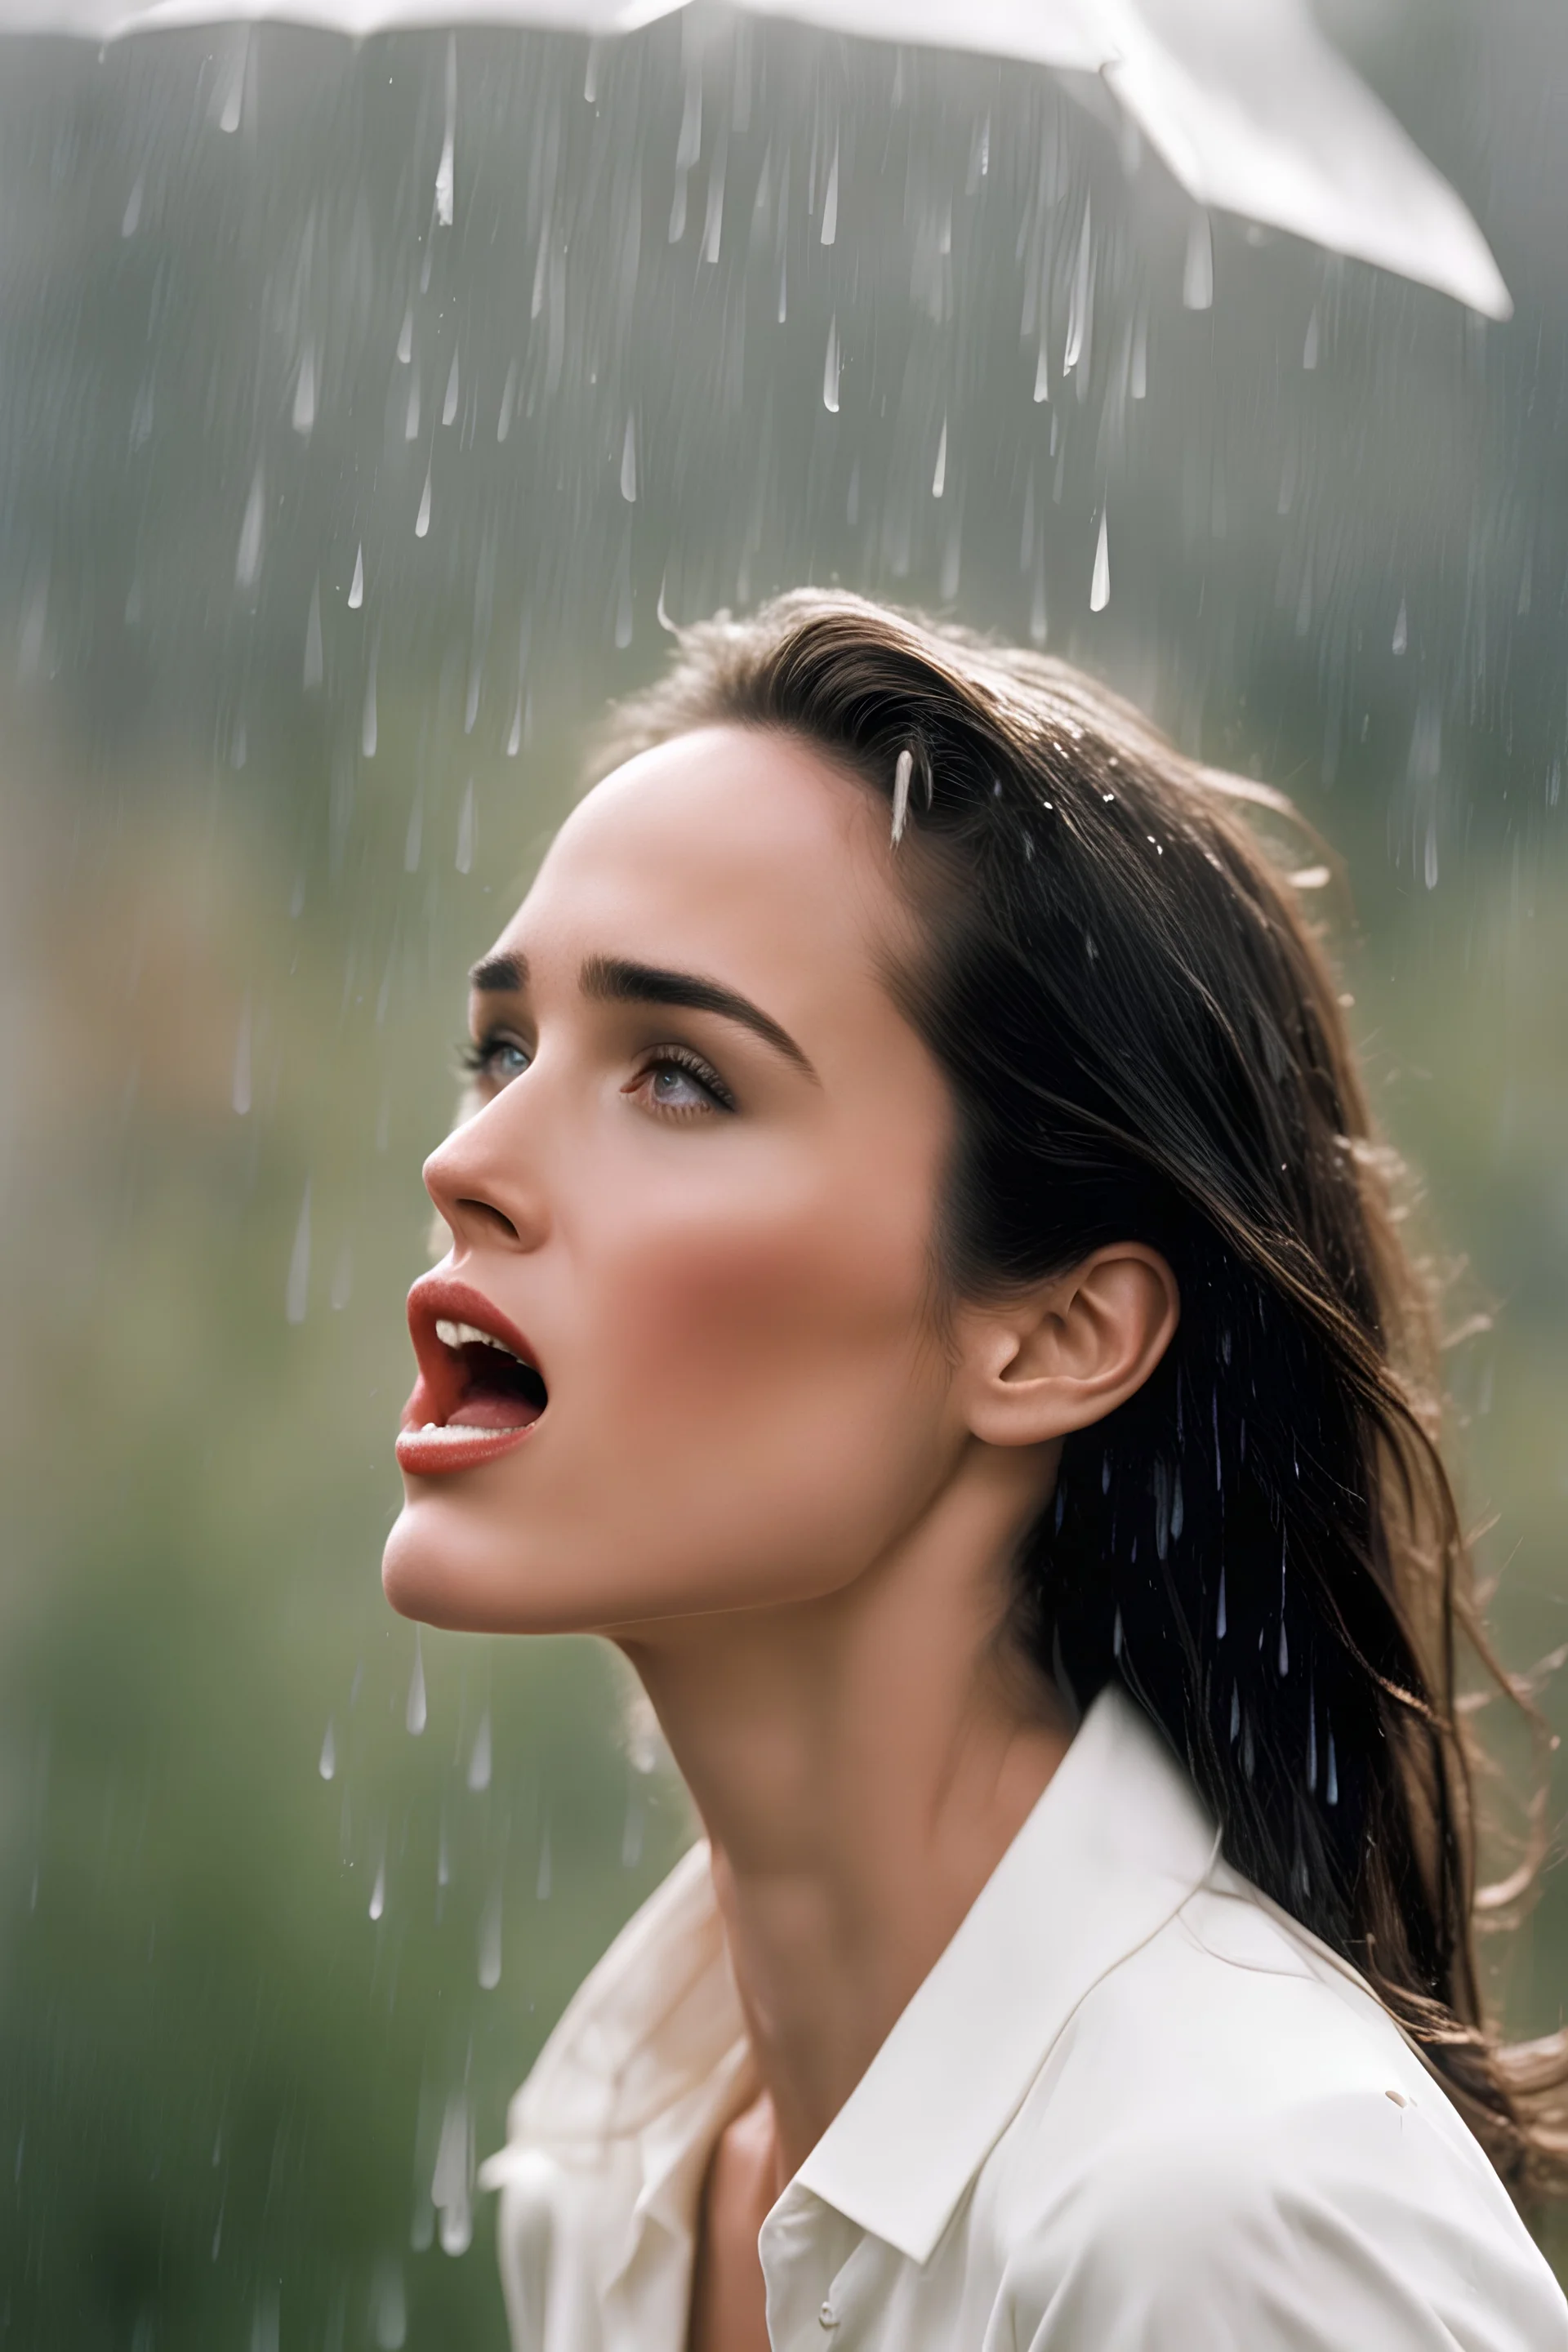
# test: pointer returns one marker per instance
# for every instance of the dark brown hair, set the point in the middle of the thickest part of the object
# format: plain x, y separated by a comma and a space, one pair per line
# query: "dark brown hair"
1144, 1043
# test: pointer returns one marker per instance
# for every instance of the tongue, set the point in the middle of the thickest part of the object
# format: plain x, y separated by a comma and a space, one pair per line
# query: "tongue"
487, 1408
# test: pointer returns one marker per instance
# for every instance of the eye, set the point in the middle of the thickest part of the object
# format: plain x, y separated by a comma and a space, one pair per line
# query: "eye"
496, 1059
678, 1081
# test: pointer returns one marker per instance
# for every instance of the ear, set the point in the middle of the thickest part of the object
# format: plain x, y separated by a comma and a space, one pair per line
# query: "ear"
1064, 1354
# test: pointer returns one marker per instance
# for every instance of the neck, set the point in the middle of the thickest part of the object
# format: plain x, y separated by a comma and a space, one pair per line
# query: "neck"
860, 1762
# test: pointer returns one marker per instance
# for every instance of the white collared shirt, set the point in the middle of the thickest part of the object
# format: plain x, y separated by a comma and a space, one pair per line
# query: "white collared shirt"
1134, 2107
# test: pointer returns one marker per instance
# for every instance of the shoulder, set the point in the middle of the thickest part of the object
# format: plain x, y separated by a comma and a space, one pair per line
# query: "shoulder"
1259, 2161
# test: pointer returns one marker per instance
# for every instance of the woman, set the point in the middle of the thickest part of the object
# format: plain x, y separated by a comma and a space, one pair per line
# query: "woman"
922, 1285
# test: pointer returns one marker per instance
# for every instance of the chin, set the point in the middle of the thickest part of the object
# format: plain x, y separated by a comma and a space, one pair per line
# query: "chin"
445, 1567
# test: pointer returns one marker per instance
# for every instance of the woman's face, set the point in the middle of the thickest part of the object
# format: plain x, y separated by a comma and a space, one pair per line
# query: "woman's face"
698, 1191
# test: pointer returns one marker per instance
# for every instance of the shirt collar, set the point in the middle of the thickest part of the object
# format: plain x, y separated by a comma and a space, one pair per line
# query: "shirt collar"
1112, 1850
653, 2049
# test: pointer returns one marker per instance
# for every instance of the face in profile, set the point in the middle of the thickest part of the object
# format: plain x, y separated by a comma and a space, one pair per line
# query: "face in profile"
684, 1350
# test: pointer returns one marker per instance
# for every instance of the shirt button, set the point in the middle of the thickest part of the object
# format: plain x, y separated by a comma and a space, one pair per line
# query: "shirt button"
828, 2316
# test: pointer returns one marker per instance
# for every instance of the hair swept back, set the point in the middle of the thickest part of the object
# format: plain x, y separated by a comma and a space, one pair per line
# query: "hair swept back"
1143, 1042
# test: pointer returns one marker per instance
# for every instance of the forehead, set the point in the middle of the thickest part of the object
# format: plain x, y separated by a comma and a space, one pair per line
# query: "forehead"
733, 850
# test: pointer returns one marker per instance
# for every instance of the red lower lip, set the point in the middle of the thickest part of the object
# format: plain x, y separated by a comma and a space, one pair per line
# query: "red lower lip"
432, 1453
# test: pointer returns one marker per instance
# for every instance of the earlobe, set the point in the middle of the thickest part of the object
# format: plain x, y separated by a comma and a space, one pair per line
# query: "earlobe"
1065, 1355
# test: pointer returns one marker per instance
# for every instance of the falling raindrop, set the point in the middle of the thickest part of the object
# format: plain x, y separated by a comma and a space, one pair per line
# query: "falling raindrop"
449, 404
406, 336
247, 557
1429, 856
508, 402
1042, 372
479, 1756
1138, 370
1099, 586
304, 415
422, 520
514, 733
228, 94
342, 1278
829, 365
389, 2305
830, 201
542, 1878
132, 217
356, 585
296, 1291
367, 735
491, 1942
1401, 629
313, 656
239, 1092
1309, 345
329, 1763
1197, 271
378, 1892
451, 2188
411, 412
1078, 303
446, 184
939, 476
416, 1714
413, 840
629, 462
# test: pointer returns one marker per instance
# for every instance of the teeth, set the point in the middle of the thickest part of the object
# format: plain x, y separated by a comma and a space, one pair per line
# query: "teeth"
463, 1334
455, 1430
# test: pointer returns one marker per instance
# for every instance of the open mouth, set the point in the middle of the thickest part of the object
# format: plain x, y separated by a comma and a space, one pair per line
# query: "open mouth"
479, 1390
499, 1389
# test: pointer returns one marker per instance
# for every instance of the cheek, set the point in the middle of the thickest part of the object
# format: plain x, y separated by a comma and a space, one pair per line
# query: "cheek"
767, 1311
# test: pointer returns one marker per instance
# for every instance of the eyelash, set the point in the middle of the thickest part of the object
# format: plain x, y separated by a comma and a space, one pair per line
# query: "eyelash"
475, 1055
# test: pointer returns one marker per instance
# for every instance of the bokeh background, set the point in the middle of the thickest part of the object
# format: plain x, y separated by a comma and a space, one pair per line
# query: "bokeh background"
326, 526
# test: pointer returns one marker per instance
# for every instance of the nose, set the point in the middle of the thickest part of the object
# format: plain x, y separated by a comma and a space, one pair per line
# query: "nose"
482, 1180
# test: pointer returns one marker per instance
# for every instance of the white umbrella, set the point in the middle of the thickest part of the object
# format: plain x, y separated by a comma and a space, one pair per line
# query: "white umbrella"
1250, 106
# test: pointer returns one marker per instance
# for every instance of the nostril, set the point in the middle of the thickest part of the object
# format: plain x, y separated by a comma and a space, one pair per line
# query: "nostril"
483, 1212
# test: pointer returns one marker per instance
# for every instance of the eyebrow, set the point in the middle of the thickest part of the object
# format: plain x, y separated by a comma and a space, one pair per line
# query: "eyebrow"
614, 979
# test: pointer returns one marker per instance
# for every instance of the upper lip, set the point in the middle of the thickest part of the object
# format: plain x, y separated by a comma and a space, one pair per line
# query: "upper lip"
439, 1298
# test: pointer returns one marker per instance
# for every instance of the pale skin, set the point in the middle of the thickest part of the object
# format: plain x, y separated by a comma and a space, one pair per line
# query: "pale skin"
778, 1466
